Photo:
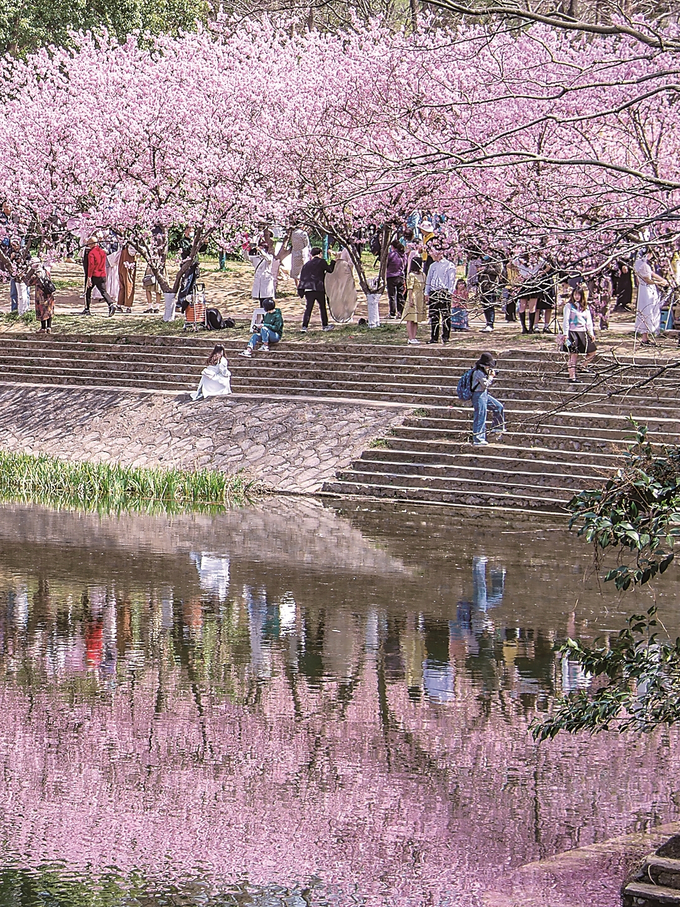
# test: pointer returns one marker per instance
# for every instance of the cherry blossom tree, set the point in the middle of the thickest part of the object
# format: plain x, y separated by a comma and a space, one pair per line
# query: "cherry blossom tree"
539, 136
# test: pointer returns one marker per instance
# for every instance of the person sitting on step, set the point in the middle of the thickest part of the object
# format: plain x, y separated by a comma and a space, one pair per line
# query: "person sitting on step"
215, 377
270, 331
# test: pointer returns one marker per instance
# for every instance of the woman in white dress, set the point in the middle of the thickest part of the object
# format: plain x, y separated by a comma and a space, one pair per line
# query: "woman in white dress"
215, 377
300, 252
648, 314
341, 290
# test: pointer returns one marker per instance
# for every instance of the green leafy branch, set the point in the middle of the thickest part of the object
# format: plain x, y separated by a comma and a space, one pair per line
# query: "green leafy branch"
642, 683
637, 510
634, 679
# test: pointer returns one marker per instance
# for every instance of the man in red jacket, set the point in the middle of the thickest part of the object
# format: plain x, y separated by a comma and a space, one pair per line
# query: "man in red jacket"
96, 276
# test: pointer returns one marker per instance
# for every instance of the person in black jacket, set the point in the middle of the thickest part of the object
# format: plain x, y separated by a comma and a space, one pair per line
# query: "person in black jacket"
311, 288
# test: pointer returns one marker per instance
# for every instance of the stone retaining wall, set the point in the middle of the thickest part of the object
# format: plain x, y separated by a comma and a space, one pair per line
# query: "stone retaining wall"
289, 445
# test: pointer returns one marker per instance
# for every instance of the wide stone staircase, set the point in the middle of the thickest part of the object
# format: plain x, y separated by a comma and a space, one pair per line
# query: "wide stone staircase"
561, 437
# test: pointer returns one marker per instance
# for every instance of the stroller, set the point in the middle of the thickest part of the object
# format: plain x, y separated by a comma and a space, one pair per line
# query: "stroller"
195, 311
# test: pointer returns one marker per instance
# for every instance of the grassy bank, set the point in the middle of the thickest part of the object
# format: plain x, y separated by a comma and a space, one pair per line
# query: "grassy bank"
111, 487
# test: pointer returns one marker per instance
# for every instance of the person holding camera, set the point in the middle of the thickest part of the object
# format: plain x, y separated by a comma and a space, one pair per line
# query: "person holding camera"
311, 287
264, 285
483, 375
270, 331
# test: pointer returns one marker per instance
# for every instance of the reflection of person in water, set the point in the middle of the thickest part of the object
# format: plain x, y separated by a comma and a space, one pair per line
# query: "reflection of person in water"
574, 678
213, 573
483, 596
486, 594
438, 672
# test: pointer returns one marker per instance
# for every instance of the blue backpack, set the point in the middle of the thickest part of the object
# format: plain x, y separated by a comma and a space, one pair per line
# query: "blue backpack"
464, 389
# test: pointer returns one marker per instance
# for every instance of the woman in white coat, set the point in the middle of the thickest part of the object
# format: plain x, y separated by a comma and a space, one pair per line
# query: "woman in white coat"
215, 377
648, 314
264, 285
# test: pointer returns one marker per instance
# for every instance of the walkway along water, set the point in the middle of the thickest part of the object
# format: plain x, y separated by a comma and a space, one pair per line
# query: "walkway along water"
372, 421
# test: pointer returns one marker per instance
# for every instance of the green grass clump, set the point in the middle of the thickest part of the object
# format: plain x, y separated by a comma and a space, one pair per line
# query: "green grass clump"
112, 487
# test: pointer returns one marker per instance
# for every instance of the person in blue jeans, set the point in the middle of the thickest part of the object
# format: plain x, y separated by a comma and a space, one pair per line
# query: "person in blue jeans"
483, 375
270, 331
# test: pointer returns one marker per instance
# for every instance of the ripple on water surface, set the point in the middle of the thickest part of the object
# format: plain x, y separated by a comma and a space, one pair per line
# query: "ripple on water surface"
284, 705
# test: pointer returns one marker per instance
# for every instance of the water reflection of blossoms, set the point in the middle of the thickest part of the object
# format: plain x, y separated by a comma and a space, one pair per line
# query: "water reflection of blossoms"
231, 636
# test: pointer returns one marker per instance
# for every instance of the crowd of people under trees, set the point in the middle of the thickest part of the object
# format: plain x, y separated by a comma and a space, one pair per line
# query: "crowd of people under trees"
427, 279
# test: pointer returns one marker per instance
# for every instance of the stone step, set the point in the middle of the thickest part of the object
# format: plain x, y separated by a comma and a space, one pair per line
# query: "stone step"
518, 387
442, 479
92, 379
502, 469
461, 420
373, 356
501, 456
400, 438
478, 499
406, 395
607, 408
663, 871
643, 894
445, 417
517, 445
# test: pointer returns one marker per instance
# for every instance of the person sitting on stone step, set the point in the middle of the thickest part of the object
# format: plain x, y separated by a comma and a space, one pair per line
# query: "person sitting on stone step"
270, 331
215, 377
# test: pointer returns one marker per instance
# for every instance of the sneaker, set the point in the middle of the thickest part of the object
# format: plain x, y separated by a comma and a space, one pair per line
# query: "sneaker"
486, 329
86, 312
303, 330
413, 341
547, 330
112, 311
329, 327
480, 443
247, 352
265, 347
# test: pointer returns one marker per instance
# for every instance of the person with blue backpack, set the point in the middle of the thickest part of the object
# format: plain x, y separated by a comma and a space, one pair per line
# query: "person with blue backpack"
474, 385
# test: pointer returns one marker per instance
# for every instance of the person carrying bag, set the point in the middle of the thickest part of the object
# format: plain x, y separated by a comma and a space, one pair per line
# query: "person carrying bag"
579, 333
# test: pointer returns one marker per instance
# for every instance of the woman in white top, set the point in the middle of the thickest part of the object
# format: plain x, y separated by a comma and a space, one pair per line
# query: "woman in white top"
648, 315
215, 377
264, 286
579, 334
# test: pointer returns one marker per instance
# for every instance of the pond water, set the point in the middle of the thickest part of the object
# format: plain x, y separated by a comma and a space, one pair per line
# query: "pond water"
293, 705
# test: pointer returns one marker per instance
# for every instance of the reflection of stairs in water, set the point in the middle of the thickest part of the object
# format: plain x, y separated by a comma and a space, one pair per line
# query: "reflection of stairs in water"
561, 438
